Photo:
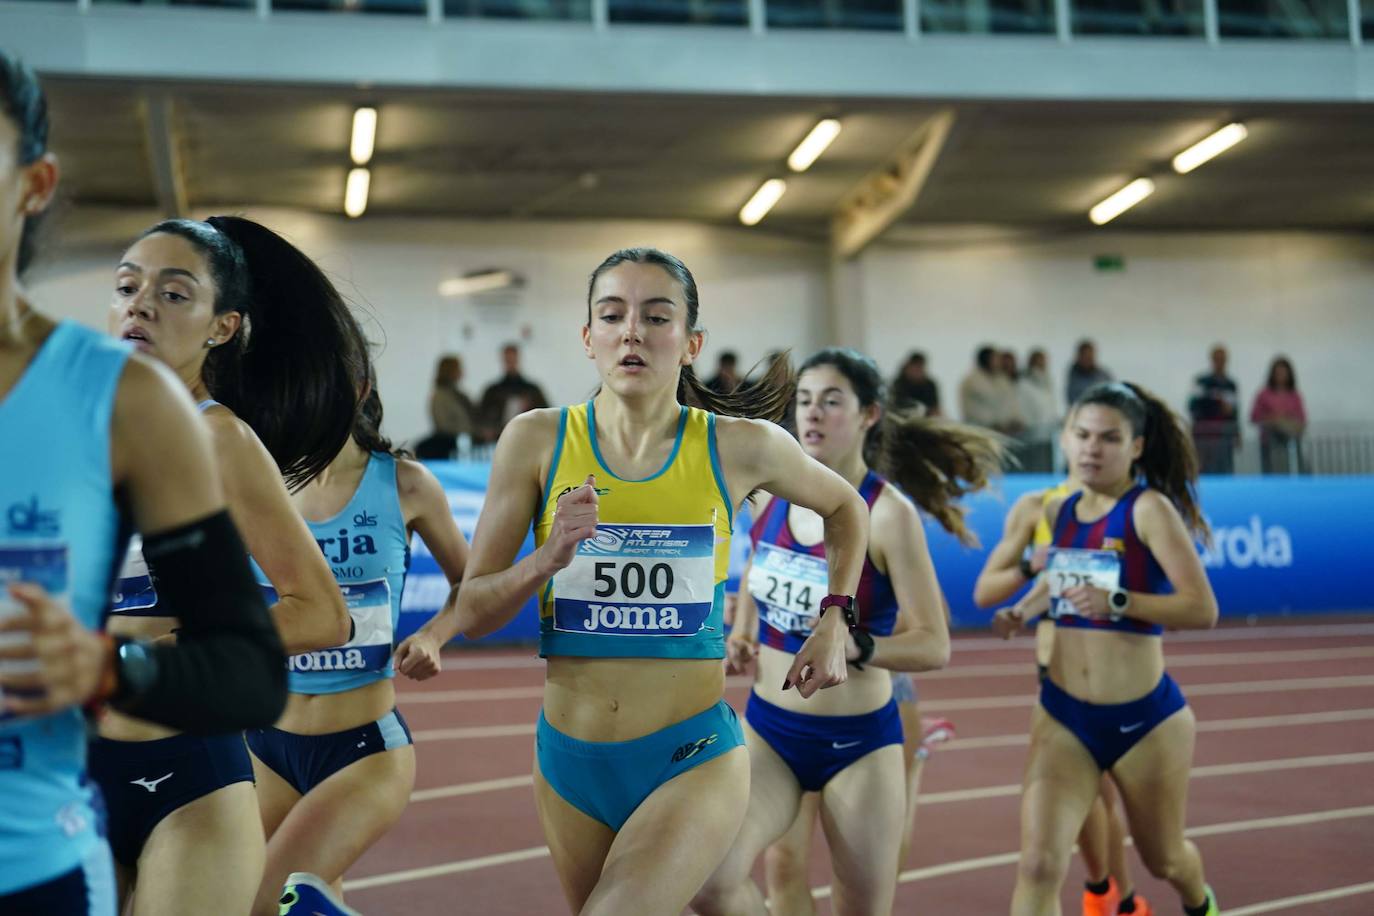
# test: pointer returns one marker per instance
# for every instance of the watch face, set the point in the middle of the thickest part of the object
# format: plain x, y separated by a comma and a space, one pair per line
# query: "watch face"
1119, 600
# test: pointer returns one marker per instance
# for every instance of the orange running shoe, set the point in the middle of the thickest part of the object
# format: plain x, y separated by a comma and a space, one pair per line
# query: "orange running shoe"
1103, 904
1142, 907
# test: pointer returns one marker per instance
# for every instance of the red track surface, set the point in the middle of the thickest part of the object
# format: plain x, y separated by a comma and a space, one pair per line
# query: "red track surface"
1282, 801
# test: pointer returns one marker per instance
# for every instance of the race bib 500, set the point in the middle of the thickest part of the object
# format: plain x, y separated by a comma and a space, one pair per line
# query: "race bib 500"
638, 580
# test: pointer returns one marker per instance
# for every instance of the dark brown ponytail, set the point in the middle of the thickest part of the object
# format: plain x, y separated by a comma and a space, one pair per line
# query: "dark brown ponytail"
293, 370
934, 461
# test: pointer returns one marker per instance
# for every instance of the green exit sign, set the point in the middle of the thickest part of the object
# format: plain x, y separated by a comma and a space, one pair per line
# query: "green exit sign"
1109, 262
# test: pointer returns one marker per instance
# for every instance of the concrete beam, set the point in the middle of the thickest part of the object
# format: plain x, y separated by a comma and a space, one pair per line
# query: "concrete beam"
164, 155
886, 193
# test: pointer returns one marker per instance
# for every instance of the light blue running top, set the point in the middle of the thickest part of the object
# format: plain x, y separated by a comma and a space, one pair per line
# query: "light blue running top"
367, 548
60, 528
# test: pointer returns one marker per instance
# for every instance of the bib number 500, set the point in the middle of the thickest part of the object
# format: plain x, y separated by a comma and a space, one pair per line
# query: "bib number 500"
633, 579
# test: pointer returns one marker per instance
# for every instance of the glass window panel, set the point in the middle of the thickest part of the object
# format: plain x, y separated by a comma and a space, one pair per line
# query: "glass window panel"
520, 9
220, 4
1137, 17
686, 12
1025, 17
396, 7
1283, 19
883, 15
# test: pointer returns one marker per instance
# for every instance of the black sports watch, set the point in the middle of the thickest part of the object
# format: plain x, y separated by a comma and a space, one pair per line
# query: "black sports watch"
846, 604
135, 669
1118, 600
864, 640
1027, 571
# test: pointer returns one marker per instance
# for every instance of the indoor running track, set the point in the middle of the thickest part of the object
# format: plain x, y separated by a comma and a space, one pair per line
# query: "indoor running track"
1281, 805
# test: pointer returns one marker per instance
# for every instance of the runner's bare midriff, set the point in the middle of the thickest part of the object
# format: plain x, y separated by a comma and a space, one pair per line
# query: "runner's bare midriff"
864, 692
619, 699
1104, 666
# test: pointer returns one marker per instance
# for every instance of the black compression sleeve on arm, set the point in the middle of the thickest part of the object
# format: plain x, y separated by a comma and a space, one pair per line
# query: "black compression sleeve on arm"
227, 670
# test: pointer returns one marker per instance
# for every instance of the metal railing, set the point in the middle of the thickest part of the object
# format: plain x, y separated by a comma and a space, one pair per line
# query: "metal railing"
1334, 448
1211, 21
1324, 448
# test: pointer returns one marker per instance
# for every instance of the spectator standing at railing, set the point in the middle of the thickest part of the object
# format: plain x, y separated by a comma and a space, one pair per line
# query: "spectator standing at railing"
726, 379
1085, 372
1216, 423
913, 386
451, 411
1040, 412
978, 390
1279, 413
1012, 420
509, 396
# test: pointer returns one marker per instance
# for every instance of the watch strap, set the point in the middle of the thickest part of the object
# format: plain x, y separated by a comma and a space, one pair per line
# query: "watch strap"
864, 640
846, 605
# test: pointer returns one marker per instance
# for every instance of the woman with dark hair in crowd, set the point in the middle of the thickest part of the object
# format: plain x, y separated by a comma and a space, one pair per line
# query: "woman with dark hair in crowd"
271, 353
845, 746
913, 388
451, 412
641, 775
119, 446
1279, 413
1122, 568
336, 771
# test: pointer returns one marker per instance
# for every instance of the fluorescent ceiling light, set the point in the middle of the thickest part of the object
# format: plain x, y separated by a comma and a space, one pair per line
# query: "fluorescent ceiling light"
810, 149
481, 282
364, 135
355, 192
762, 201
1121, 201
1209, 148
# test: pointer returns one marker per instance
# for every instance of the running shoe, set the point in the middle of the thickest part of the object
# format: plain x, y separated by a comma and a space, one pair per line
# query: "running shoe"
308, 895
1212, 908
1142, 907
936, 731
1103, 904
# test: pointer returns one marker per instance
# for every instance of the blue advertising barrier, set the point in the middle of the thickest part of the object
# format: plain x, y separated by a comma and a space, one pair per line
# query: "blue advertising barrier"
1280, 545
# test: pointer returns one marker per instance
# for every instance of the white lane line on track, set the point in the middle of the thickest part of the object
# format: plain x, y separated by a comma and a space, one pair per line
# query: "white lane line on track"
1287, 903
962, 795
472, 731
1191, 690
1179, 660
448, 868
491, 694
1206, 772
1264, 823
1248, 723
472, 788
466, 732
479, 659
907, 877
